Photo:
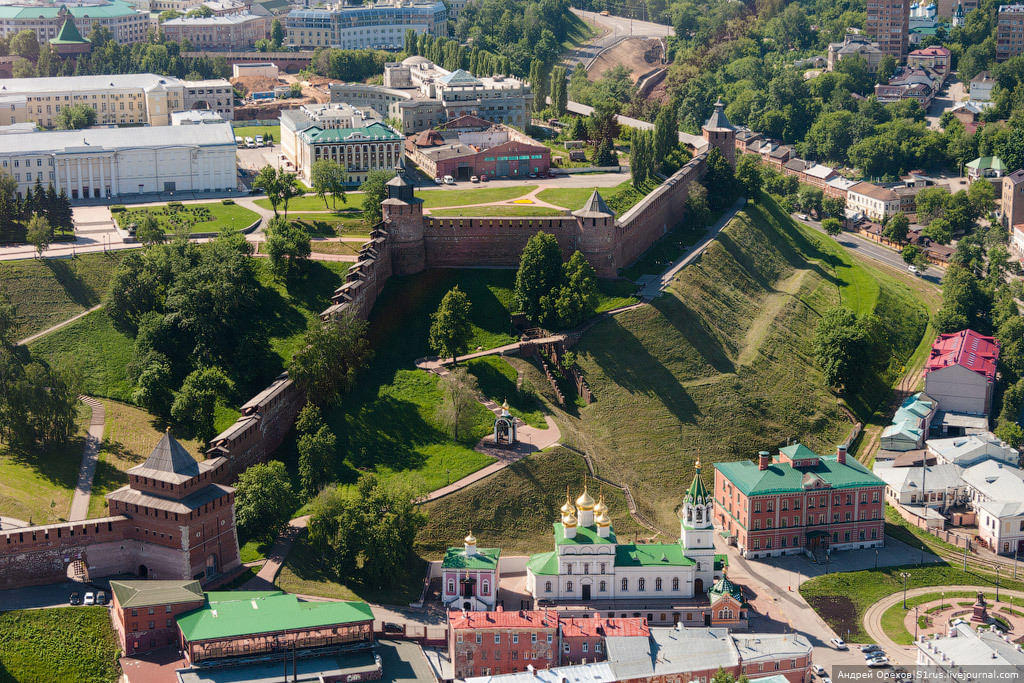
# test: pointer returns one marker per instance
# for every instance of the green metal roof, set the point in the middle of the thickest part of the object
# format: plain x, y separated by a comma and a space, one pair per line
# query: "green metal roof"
68, 34
375, 132
903, 428
725, 587
698, 493
485, 558
585, 535
148, 593
268, 612
784, 478
544, 564
115, 9
798, 451
651, 555
984, 163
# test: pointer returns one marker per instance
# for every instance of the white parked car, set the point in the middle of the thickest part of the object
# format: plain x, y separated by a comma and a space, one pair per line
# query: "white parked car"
259, 140
448, 180
90, 598
913, 269
803, 216
838, 643
819, 670
437, 180
878, 662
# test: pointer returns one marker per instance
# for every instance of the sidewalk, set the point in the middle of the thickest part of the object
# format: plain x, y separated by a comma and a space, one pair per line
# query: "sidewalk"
83, 489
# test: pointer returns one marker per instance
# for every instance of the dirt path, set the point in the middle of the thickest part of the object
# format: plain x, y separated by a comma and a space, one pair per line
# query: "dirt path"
31, 338
264, 580
785, 292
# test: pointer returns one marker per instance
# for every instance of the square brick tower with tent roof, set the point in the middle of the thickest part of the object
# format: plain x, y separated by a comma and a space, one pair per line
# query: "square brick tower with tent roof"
183, 518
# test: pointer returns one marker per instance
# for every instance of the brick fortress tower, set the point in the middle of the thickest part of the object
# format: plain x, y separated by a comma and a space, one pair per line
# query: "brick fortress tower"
402, 213
720, 133
183, 520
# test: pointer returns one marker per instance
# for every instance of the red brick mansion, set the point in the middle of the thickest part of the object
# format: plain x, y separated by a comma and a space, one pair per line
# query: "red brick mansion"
799, 501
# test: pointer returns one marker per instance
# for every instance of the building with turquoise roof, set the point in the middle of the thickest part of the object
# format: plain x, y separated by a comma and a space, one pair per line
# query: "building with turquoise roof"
799, 502
125, 23
589, 563
910, 424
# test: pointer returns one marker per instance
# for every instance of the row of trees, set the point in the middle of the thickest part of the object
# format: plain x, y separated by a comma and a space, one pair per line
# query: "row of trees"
16, 211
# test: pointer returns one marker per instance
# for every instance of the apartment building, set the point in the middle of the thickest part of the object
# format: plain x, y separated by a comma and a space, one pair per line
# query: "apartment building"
125, 23
238, 31
119, 99
378, 26
889, 22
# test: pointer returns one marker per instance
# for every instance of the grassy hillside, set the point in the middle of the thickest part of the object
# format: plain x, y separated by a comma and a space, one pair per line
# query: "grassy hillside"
46, 292
514, 509
721, 366
63, 644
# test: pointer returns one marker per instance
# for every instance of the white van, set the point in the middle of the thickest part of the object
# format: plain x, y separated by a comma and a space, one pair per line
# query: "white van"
239, 141
448, 180
249, 142
259, 140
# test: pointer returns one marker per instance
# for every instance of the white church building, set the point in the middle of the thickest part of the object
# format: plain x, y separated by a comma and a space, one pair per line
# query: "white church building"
589, 563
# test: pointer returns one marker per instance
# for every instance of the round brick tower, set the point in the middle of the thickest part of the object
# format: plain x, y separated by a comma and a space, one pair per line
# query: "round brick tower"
403, 219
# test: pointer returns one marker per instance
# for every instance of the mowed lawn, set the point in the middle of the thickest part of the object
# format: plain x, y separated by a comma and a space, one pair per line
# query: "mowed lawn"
722, 366
310, 202
842, 599
331, 225
619, 198
36, 486
437, 199
48, 291
253, 131
192, 217
129, 436
499, 210
63, 644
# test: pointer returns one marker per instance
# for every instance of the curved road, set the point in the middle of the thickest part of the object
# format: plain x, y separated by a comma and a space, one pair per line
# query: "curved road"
907, 654
616, 30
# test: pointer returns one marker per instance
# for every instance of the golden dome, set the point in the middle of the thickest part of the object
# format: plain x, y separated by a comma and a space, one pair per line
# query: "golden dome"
585, 502
568, 509
603, 519
600, 508
471, 539
569, 520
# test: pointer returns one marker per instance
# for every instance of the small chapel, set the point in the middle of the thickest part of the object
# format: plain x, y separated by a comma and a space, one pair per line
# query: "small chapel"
589, 563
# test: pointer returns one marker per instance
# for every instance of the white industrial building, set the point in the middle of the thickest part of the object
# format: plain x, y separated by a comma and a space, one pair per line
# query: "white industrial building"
108, 162
945, 657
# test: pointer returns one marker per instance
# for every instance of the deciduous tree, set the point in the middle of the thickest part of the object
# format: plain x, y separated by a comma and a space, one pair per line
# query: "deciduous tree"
332, 354
374, 191
458, 407
842, 348
540, 271
263, 499
76, 116
450, 328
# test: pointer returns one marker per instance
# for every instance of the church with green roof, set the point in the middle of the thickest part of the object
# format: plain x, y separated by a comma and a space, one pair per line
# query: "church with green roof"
590, 564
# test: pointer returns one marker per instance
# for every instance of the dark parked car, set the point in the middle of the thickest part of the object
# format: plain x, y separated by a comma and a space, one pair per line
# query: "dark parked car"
392, 628
75, 599
101, 598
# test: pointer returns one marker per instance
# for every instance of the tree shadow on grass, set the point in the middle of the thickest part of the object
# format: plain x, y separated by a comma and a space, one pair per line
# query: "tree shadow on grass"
385, 433
691, 327
76, 289
312, 289
633, 368
58, 464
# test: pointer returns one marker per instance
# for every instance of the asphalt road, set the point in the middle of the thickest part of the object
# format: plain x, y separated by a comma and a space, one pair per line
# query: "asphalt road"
876, 252
616, 29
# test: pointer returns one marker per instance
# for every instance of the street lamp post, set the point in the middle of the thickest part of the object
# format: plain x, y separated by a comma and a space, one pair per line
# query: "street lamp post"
905, 576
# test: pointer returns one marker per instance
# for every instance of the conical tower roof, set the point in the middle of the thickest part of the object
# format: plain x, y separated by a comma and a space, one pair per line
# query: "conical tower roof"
68, 34
718, 120
594, 208
171, 457
697, 494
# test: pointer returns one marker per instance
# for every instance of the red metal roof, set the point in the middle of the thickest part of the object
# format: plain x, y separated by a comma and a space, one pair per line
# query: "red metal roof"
582, 628
499, 619
967, 348
931, 52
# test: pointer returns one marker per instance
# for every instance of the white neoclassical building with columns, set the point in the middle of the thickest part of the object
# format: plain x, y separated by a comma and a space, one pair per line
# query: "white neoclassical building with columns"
590, 564
109, 162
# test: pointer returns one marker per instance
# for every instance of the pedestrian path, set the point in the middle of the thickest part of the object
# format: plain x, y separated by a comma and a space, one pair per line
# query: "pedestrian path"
83, 488
264, 580
31, 338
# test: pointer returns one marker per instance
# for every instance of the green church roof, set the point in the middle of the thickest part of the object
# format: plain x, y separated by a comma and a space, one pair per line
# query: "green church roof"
698, 493
584, 536
544, 564
725, 587
484, 558
68, 35
651, 555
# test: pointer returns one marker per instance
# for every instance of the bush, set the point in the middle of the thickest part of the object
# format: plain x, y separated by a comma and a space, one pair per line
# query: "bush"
117, 208
227, 202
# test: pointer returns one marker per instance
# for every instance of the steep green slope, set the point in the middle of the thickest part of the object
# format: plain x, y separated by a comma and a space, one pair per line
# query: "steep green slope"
721, 366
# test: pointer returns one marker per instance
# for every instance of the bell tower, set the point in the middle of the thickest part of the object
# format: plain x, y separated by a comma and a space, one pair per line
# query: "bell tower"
696, 529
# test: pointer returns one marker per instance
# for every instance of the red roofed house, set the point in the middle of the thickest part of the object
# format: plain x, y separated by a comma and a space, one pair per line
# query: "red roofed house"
936, 58
961, 372
490, 643
583, 638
